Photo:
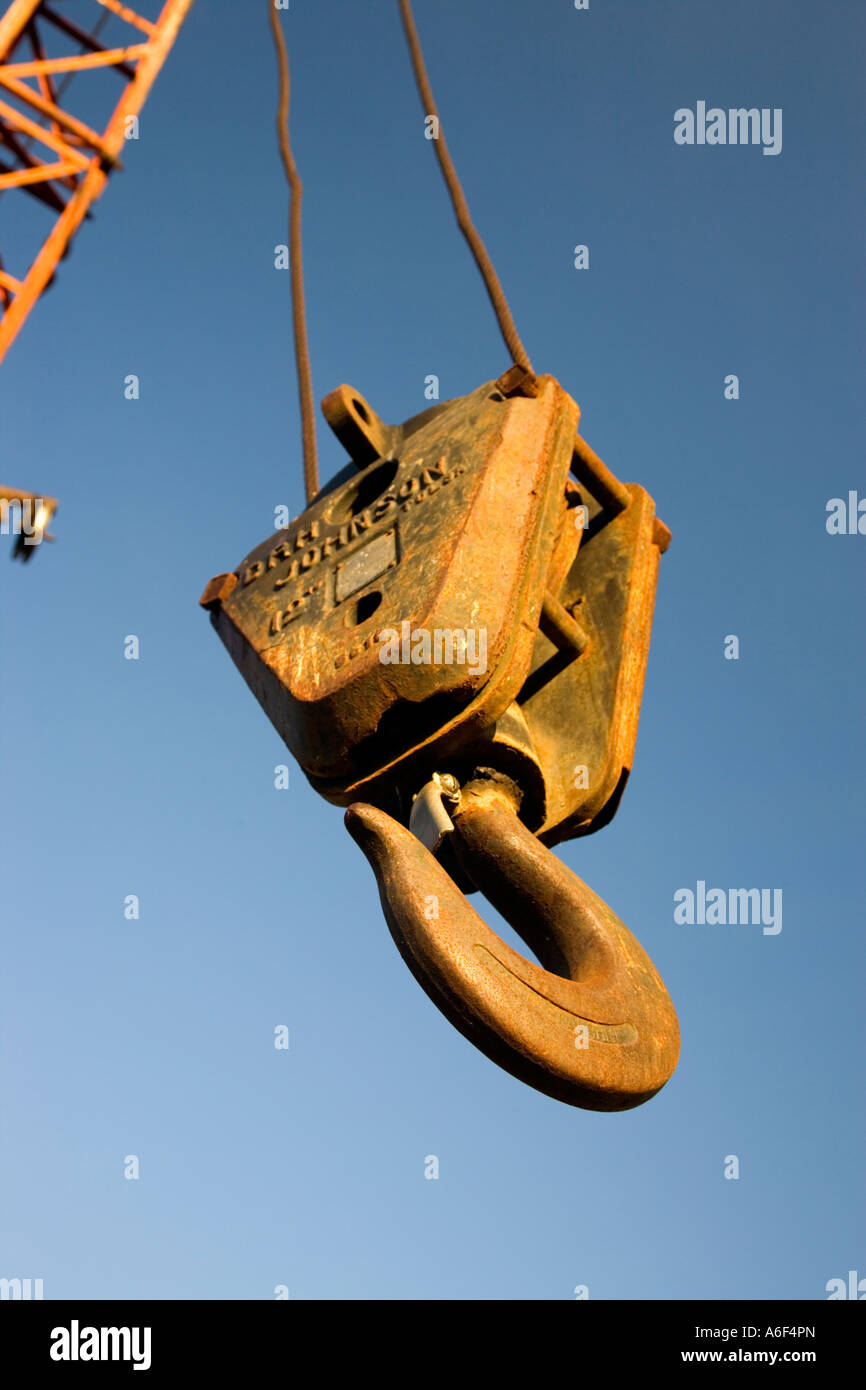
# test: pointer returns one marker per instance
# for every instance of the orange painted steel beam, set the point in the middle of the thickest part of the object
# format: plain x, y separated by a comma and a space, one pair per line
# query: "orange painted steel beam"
109, 57
69, 155
55, 115
13, 22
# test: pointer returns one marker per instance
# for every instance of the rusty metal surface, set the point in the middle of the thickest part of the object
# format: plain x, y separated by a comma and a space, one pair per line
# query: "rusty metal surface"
462, 518
596, 1027
596, 692
452, 533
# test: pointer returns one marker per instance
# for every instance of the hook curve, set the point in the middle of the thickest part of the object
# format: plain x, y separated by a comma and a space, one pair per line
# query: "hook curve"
596, 1028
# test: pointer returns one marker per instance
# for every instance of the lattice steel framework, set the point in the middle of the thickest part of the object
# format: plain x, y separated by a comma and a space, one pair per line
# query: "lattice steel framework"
47, 152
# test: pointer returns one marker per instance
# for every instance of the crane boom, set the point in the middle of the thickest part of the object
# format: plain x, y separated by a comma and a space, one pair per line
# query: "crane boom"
53, 157
48, 153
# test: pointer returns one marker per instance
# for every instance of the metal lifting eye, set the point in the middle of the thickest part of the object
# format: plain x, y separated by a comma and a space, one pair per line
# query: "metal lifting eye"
596, 1028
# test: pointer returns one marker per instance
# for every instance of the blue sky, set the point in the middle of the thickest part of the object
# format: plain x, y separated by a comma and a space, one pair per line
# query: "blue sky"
155, 777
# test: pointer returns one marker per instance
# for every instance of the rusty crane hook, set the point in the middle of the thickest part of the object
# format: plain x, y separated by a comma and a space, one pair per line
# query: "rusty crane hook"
595, 1027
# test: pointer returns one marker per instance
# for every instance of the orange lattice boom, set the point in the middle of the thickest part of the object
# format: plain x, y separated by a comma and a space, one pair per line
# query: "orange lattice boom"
45, 151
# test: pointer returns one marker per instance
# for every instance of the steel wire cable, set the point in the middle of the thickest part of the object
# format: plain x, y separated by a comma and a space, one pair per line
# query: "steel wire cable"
299, 314
491, 280
464, 221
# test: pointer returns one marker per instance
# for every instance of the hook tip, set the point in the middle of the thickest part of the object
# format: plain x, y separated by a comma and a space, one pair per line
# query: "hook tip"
375, 833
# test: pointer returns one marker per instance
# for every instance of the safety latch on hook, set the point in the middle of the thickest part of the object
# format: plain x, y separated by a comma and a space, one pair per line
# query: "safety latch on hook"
429, 820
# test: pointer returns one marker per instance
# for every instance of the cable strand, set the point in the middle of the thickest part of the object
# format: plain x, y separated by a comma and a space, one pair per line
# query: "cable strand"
299, 315
464, 221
